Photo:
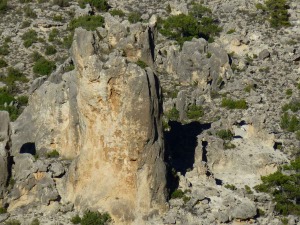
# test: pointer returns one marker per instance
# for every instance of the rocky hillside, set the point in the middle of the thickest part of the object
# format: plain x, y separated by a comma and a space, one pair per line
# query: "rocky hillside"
149, 112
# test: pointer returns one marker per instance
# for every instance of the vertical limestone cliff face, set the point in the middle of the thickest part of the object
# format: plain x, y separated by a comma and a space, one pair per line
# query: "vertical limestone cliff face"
120, 165
105, 116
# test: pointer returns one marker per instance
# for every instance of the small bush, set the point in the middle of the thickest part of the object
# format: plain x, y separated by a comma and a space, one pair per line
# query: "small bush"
29, 38
13, 75
76, 219
173, 114
43, 67
225, 134
177, 194
13, 222
69, 68
248, 189
234, 104
117, 12
290, 123
289, 92
35, 56
53, 154
100, 5
87, 22
29, 12
134, 17
53, 35
68, 40
230, 187
50, 50
95, 218
231, 31
3, 6
2, 210
25, 24
3, 63
141, 64
194, 112
35, 222
4, 49
294, 106
61, 3
58, 18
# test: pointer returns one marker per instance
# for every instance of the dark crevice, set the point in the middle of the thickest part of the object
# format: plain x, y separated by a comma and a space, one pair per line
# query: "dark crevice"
218, 181
180, 145
28, 147
204, 151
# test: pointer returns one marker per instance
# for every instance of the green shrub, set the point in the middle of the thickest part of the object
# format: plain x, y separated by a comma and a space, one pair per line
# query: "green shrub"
298, 135
53, 154
100, 5
134, 17
13, 222
117, 12
29, 38
87, 22
50, 50
95, 218
230, 187
25, 24
234, 104
4, 49
294, 106
228, 145
53, 35
43, 67
68, 40
231, 31
76, 219
198, 23
276, 12
61, 3
3, 63
289, 92
13, 75
141, 64
58, 18
69, 68
194, 112
248, 189
3, 6
173, 114
284, 188
35, 56
289, 123
225, 134
177, 194
35, 222
2, 210
29, 12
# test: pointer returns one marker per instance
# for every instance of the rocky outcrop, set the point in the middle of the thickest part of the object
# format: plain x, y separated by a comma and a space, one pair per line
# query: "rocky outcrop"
5, 144
106, 116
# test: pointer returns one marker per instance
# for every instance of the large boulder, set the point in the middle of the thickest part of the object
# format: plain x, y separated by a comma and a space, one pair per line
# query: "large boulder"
5, 144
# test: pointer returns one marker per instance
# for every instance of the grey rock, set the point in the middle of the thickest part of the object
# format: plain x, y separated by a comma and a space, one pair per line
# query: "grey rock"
244, 210
4, 217
264, 54
57, 169
37, 83
5, 145
24, 166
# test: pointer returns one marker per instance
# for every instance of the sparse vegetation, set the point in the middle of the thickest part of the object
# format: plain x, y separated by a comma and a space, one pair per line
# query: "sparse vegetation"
53, 154
13, 222
194, 112
290, 123
141, 64
134, 17
95, 218
35, 222
29, 38
43, 67
101, 5
234, 104
50, 50
248, 190
294, 106
284, 187
2, 210
276, 12
3, 63
4, 49
87, 22
61, 3
117, 12
230, 187
3, 6
76, 219
172, 114
225, 134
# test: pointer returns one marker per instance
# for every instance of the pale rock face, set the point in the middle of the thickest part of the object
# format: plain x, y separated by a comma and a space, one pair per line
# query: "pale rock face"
5, 143
106, 116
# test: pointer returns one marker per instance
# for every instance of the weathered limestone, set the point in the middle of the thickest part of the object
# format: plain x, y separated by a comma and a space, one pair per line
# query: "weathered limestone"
5, 143
106, 115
